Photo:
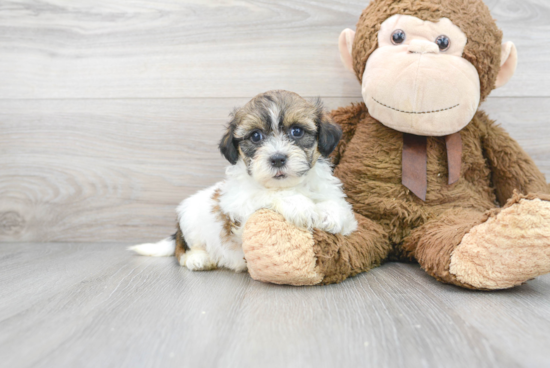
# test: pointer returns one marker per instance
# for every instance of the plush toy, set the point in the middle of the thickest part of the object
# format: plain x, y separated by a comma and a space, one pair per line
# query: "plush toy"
431, 179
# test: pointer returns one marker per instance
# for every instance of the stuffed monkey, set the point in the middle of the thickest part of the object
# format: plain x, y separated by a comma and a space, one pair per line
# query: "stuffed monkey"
431, 178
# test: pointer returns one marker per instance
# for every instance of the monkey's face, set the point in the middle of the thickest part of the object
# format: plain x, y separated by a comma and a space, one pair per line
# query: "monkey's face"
279, 136
417, 81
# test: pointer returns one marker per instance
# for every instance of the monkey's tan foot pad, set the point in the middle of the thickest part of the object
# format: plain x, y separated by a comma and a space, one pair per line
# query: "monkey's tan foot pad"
279, 252
506, 250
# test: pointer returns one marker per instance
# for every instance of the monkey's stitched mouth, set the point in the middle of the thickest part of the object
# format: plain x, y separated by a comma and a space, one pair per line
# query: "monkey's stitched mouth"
415, 112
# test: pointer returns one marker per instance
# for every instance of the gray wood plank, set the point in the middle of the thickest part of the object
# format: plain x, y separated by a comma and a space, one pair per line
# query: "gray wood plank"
114, 170
97, 305
166, 48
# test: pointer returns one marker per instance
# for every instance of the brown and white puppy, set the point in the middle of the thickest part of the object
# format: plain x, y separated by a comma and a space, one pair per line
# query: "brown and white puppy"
278, 145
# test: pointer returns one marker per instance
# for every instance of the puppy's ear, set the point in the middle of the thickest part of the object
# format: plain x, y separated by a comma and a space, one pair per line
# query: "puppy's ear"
228, 144
329, 132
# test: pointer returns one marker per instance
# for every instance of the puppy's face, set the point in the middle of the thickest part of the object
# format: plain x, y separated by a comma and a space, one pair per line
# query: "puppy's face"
279, 136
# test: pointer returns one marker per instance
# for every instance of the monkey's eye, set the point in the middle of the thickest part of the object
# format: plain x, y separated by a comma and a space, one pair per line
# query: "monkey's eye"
256, 136
296, 132
398, 36
443, 42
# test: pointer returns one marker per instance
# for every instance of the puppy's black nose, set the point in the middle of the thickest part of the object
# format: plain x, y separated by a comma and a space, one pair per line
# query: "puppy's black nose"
278, 160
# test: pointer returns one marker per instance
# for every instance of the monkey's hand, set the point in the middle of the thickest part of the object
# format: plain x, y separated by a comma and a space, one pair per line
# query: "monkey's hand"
279, 252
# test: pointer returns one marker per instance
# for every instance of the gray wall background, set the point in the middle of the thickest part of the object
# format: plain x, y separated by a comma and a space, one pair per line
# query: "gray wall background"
110, 111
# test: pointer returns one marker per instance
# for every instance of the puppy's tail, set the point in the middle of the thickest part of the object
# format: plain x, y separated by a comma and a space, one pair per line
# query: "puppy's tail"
164, 248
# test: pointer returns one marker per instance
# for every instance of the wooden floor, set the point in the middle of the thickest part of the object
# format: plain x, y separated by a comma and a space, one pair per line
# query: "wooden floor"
97, 305
110, 112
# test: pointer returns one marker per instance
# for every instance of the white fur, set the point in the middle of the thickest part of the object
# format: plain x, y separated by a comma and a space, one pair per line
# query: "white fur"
198, 259
308, 204
163, 248
316, 201
202, 229
262, 171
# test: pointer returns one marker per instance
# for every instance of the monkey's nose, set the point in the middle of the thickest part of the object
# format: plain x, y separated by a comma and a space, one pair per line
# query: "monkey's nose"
423, 47
278, 160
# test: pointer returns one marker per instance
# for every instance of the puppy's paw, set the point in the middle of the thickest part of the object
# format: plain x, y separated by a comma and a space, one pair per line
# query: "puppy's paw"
298, 210
241, 268
234, 261
197, 259
305, 217
335, 218
329, 218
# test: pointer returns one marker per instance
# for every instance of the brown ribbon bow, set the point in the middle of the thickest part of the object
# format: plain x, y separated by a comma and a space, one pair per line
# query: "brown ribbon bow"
415, 162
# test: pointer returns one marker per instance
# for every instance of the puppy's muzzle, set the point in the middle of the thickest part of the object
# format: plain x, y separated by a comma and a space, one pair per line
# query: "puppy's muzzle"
278, 160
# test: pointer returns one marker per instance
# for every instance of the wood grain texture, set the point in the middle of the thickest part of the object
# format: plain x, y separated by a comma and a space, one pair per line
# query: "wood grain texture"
97, 305
114, 170
232, 48
105, 169
110, 112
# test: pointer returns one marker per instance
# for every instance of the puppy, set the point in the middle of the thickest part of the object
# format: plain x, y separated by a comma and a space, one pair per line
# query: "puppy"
278, 145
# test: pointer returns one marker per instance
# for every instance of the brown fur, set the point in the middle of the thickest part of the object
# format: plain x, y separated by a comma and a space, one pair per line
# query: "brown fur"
394, 223
348, 122
471, 16
369, 162
181, 245
339, 256
426, 231
433, 243
227, 230
229, 226
294, 108
320, 137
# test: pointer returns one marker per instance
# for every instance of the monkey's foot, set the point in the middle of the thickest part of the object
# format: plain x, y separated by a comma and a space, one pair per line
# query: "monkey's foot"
278, 252
508, 249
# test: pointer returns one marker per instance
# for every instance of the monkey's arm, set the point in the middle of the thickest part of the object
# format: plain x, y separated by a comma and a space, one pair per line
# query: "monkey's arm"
347, 118
281, 253
511, 166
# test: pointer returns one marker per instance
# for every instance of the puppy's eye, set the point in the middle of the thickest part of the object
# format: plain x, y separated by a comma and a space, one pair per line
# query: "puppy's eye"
296, 132
257, 136
443, 42
398, 36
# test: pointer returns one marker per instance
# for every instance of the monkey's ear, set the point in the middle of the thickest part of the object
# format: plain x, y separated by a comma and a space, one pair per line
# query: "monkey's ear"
508, 64
329, 133
228, 146
345, 42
